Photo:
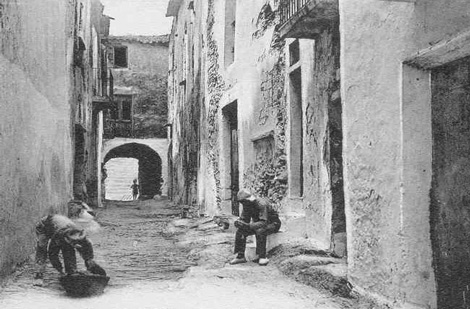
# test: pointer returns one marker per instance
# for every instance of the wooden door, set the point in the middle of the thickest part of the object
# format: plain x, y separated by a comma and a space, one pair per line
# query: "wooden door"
234, 168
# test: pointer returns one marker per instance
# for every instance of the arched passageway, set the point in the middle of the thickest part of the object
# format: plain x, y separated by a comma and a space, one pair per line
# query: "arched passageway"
149, 166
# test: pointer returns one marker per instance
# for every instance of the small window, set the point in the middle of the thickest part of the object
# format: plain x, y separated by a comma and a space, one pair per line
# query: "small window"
264, 148
120, 57
80, 18
114, 113
126, 110
230, 15
294, 52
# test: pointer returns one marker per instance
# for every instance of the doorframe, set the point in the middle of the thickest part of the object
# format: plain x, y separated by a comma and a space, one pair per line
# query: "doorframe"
230, 116
416, 144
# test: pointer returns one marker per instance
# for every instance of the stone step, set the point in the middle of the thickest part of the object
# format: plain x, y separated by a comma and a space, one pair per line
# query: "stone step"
321, 272
273, 241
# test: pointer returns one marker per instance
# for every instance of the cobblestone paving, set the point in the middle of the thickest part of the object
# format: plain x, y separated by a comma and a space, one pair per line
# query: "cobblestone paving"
134, 245
131, 245
144, 256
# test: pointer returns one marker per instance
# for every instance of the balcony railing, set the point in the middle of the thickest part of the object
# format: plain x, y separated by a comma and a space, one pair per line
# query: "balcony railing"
289, 8
117, 128
307, 18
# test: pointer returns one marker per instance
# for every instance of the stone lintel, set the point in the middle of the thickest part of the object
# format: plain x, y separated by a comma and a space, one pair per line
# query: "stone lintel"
442, 53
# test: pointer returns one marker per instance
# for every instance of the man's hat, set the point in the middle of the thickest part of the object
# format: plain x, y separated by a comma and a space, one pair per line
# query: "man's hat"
243, 195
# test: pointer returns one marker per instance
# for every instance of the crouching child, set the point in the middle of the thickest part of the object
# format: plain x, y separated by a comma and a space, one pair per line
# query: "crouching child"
57, 233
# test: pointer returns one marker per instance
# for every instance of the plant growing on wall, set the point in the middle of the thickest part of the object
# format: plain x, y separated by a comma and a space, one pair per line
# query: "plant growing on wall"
216, 87
150, 103
268, 175
268, 178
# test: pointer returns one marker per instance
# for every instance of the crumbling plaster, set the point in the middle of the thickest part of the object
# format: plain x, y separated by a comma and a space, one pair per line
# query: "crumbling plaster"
146, 76
256, 80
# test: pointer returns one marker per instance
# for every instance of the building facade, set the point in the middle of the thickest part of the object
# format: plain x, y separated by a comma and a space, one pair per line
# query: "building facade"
405, 96
140, 67
249, 108
138, 117
350, 116
91, 95
47, 128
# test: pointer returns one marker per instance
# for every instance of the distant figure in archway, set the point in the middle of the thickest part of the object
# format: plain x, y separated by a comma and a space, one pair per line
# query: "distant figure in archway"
135, 189
257, 218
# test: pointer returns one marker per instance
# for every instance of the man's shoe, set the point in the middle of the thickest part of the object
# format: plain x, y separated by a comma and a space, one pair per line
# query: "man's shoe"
263, 261
238, 260
38, 282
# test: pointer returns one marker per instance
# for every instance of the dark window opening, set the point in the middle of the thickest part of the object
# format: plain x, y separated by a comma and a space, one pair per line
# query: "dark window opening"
294, 52
230, 15
126, 110
120, 57
114, 113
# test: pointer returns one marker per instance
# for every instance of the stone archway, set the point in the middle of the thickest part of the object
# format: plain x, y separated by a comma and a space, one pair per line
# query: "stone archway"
150, 166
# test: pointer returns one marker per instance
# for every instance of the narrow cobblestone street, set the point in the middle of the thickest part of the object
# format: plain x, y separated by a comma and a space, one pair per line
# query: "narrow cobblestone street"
156, 261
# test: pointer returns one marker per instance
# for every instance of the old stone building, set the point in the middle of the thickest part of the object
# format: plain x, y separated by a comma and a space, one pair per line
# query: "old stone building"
50, 81
91, 92
405, 111
286, 97
136, 125
251, 105
140, 66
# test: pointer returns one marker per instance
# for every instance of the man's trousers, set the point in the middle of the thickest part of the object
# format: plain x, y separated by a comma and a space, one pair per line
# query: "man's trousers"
261, 236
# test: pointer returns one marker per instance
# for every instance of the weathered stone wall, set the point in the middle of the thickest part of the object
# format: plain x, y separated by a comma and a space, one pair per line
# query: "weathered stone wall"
388, 143
85, 26
186, 95
256, 81
267, 175
320, 82
215, 86
259, 78
147, 76
35, 122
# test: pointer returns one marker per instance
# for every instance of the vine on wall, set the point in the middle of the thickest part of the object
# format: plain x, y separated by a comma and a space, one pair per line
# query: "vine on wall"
268, 178
268, 175
151, 103
216, 87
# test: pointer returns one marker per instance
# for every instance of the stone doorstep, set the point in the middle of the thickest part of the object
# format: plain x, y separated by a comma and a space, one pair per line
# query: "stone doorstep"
304, 261
330, 277
273, 241
292, 227
339, 244
322, 272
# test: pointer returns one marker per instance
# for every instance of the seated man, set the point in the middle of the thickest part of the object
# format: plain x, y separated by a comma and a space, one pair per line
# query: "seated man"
257, 218
57, 233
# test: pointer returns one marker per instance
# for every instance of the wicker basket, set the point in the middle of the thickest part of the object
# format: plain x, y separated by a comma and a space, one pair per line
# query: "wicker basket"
84, 284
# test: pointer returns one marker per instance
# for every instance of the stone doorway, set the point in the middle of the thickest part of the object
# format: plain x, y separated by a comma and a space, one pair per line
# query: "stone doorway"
149, 167
230, 115
450, 189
